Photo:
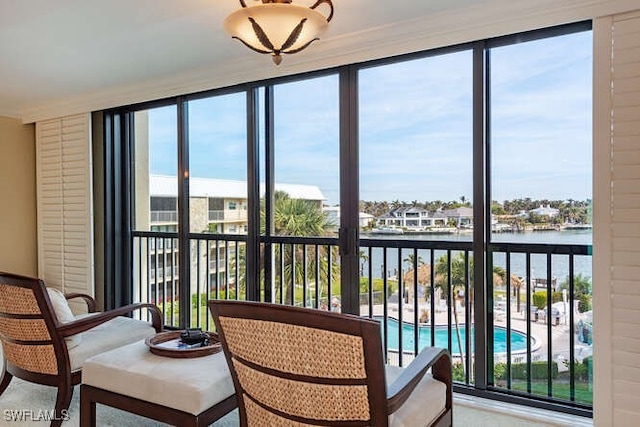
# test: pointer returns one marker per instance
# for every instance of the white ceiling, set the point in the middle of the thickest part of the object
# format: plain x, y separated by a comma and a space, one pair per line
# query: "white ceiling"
100, 53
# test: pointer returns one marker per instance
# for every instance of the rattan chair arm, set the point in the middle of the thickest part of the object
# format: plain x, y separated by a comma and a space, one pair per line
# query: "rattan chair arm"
91, 302
86, 323
430, 357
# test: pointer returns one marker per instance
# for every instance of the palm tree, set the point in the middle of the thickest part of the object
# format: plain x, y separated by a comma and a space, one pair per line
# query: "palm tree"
461, 269
364, 258
411, 260
459, 274
582, 291
516, 284
241, 267
297, 217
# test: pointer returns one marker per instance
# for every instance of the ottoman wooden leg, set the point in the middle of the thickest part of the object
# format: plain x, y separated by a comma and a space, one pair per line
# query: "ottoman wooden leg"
87, 407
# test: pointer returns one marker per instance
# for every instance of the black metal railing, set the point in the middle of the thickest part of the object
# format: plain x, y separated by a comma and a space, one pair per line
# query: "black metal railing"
153, 254
424, 302
217, 272
421, 291
554, 316
305, 272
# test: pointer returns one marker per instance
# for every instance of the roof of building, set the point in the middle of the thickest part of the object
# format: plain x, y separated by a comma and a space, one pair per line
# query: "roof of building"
401, 211
167, 186
545, 210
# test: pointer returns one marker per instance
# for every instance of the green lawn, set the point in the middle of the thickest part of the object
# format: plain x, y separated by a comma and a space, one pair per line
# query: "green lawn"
560, 389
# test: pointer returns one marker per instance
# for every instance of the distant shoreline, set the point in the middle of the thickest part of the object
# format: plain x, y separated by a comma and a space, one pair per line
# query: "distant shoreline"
499, 228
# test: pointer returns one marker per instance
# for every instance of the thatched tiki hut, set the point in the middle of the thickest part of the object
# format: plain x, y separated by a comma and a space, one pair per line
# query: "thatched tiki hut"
424, 280
516, 286
498, 280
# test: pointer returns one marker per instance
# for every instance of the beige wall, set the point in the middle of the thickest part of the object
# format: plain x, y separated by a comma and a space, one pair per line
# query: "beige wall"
18, 232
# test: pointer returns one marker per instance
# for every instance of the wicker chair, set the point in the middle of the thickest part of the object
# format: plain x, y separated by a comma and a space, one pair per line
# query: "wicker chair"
39, 348
296, 366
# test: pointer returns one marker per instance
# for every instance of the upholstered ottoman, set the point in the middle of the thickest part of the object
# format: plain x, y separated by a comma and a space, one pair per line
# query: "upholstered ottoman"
184, 392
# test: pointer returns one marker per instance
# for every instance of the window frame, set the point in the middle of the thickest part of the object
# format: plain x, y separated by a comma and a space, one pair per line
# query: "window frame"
119, 207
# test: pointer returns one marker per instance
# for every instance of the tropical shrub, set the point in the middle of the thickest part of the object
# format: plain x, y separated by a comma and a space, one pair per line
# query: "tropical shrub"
457, 372
540, 298
584, 303
582, 370
582, 291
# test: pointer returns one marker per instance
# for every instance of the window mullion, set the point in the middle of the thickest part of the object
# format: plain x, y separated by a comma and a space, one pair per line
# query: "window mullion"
183, 214
480, 192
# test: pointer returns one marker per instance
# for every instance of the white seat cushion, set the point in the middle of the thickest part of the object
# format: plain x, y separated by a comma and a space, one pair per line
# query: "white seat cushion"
190, 385
107, 336
426, 403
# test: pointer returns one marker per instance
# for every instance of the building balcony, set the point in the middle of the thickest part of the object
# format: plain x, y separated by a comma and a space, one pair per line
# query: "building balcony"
228, 216
164, 217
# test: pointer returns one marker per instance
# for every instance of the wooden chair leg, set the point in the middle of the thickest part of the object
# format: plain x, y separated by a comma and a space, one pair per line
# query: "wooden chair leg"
6, 379
65, 393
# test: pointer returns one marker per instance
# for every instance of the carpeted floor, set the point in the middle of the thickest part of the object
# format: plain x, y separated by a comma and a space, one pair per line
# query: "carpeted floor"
22, 395
468, 412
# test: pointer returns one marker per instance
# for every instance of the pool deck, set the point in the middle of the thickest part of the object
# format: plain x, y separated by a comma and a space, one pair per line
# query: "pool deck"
539, 331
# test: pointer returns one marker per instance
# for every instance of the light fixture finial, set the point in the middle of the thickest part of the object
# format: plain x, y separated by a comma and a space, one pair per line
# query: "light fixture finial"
278, 27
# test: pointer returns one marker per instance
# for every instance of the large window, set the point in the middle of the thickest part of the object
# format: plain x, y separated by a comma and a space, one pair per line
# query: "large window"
416, 182
444, 193
416, 134
304, 192
155, 207
217, 162
541, 139
306, 152
540, 109
156, 168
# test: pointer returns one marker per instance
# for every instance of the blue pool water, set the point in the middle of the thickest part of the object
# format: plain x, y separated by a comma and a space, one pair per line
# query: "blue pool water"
518, 339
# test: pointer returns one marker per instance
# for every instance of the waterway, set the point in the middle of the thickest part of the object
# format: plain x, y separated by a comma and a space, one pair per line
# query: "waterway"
559, 264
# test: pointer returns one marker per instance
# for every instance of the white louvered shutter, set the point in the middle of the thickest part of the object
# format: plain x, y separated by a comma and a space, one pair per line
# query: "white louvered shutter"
617, 293
65, 204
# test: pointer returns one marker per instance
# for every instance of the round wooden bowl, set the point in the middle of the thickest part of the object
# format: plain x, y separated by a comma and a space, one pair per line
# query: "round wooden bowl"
167, 344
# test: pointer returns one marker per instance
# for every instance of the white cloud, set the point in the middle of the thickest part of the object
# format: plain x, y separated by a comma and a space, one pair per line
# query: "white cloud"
416, 127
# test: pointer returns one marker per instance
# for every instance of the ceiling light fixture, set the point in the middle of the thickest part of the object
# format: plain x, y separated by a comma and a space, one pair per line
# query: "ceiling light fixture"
277, 26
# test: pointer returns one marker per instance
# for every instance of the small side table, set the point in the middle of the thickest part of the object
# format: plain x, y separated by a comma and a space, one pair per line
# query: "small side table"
183, 392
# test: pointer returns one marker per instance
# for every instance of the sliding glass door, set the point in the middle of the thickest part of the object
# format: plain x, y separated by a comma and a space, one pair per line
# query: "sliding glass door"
541, 180
416, 197
303, 192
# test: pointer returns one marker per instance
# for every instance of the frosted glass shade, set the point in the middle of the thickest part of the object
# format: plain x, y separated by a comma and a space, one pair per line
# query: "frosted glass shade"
278, 22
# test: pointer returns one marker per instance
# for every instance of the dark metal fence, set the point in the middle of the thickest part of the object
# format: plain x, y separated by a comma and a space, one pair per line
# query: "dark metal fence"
552, 308
537, 335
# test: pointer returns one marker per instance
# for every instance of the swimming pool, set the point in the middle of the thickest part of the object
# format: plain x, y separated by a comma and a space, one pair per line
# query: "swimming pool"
518, 339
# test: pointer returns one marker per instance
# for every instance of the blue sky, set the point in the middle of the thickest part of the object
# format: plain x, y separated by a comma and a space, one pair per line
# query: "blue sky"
415, 128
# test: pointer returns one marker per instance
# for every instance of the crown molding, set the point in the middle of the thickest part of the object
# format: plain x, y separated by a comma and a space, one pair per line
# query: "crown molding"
443, 29
12, 114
